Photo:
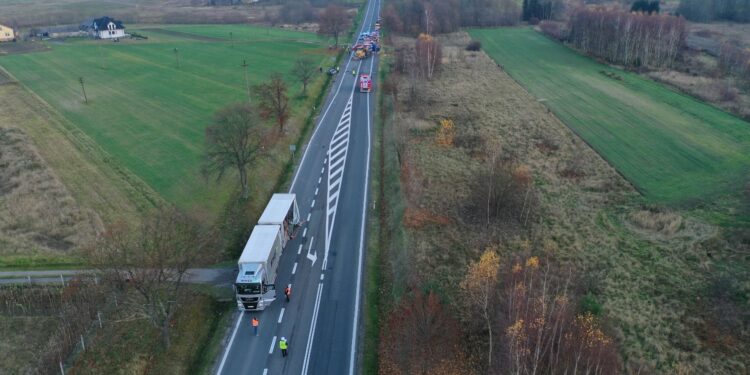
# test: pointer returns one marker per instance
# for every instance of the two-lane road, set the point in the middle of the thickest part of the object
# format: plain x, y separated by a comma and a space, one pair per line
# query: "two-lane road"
323, 264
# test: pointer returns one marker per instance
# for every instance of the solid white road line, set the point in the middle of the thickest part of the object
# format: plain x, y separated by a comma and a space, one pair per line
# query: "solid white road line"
273, 343
313, 323
231, 340
281, 315
294, 270
361, 243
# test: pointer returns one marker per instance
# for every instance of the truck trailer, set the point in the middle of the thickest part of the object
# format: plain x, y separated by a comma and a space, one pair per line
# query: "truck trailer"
255, 284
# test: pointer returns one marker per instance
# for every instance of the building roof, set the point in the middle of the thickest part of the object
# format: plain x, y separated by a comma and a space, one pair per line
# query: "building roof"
101, 23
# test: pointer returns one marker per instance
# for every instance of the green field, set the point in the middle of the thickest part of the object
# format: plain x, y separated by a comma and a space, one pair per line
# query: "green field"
148, 113
673, 148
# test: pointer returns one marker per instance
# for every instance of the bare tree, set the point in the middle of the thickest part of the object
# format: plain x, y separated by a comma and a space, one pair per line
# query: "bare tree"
273, 100
303, 70
233, 140
151, 262
429, 54
333, 21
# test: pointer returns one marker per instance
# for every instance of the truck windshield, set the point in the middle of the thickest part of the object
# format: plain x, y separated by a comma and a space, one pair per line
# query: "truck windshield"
251, 288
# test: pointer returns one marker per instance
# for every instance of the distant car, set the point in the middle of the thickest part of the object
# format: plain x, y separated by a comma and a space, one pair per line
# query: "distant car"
332, 71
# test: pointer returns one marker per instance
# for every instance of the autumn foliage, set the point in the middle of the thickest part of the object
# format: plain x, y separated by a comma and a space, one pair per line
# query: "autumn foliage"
445, 133
421, 338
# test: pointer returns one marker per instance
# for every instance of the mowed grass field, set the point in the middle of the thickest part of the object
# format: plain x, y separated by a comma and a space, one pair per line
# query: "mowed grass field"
673, 148
148, 113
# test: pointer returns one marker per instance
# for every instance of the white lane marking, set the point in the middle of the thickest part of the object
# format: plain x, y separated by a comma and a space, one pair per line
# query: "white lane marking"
265, 371
321, 277
231, 340
312, 204
316, 192
294, 270
304, 232
310, 336
320, 179
299, 251
353, 347
334, 177
310, 255
308, 216
273, 343
289, 286
281, 315
322, 170
324, 160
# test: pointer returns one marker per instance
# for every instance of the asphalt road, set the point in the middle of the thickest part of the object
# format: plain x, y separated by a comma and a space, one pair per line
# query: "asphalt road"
324, 263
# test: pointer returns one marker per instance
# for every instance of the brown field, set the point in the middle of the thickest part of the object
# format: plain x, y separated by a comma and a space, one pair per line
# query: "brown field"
650, 268
696, 72
27, 14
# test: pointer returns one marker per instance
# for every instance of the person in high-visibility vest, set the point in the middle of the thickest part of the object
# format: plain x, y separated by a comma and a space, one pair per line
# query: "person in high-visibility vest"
255, 322
283, 345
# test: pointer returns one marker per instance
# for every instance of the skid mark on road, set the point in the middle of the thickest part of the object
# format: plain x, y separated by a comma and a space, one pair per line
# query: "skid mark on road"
337, 151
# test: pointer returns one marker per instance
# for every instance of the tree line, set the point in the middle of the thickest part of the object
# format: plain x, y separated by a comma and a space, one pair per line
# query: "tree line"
632, 39
444, 16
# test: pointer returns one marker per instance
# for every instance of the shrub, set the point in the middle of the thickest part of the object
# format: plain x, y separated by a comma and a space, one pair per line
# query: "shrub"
474, 45
590, 305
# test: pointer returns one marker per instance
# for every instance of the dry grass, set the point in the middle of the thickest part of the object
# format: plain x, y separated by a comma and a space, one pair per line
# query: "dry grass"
21, 339
644, 267
37, 213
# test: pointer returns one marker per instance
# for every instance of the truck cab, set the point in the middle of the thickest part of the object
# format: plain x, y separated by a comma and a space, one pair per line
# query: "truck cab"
255, 284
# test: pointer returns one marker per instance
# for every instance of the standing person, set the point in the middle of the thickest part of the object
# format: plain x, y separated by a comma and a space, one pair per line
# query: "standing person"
283, 345
287, 293
256, 322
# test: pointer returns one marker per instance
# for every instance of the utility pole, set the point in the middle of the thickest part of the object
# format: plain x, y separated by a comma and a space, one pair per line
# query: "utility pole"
177, 57
247, 82
85, 99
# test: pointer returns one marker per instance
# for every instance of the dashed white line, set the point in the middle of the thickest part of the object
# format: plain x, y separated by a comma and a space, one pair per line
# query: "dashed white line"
321, 277
273, 343
294, 270
281, 315
304, 232
320, 179
299, 251
308, 216
312, 204
265, 371
316, 191
322, 170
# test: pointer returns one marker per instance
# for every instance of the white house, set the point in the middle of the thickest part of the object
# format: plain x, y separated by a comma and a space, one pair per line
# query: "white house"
107, 28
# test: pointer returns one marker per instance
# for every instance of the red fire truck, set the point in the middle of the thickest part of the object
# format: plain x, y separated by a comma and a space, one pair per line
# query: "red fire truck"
365, 83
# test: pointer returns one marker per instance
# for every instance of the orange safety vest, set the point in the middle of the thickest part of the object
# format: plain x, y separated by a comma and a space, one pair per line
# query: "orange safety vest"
255, 322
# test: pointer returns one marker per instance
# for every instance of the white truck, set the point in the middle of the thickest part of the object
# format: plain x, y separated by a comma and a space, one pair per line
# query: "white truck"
255, 284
